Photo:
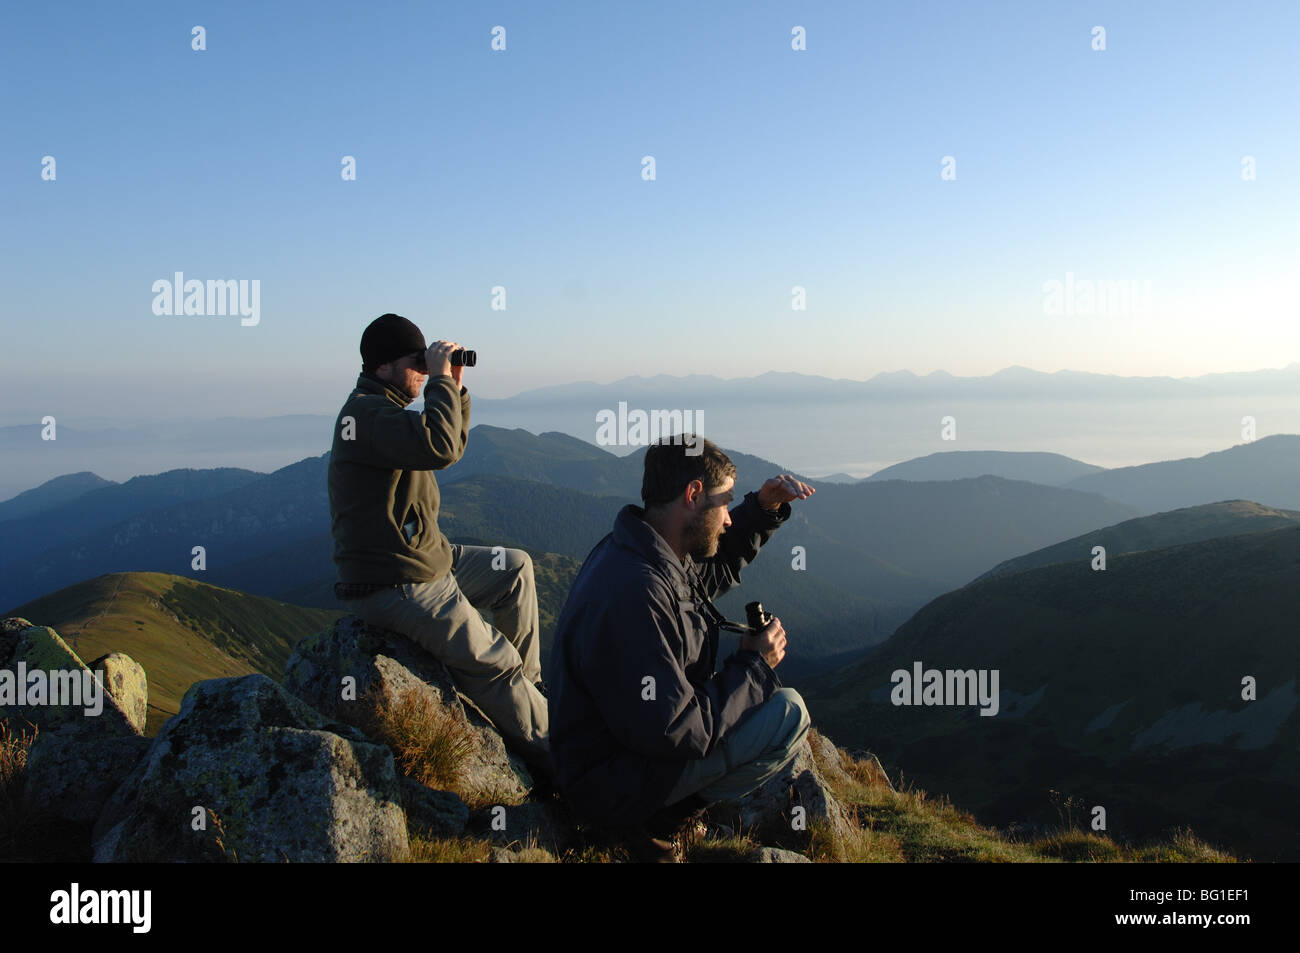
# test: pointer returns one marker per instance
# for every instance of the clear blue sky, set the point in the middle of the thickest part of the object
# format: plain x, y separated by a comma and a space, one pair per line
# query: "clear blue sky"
522, 168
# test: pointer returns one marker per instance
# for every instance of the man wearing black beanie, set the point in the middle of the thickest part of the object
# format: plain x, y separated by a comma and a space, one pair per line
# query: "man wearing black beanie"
397, 570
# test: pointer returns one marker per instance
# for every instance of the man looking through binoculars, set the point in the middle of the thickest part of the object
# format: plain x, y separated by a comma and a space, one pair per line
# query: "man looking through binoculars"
397, 570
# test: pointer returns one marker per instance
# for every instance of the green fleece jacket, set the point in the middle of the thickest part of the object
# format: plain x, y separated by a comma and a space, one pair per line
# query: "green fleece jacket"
383, 496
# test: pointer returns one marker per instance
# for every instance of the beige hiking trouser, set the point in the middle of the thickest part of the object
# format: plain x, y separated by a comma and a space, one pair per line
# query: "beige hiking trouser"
495, 666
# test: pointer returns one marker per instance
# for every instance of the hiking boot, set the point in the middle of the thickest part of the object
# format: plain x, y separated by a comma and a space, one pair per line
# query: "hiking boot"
667, 822
680, 826
647, 849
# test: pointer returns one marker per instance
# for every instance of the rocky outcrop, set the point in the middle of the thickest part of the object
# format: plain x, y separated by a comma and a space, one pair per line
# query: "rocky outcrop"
433, 813
788, 805
254, 770
383, 666
87, 743
30, 649
247, 772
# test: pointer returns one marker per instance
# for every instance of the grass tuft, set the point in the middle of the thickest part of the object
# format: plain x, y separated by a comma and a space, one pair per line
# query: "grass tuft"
429, 743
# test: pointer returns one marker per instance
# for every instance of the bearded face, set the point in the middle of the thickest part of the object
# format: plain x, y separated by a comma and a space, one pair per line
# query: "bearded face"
701, 536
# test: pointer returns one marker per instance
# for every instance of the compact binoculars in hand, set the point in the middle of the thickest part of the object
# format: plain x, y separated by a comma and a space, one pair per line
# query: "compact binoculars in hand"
756, 616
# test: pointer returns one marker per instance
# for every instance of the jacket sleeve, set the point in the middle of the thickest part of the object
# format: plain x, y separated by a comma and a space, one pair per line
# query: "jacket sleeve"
404, 440
751, 527
632, 669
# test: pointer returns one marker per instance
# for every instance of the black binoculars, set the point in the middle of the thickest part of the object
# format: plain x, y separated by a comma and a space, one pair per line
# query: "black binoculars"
756, 616
459, 358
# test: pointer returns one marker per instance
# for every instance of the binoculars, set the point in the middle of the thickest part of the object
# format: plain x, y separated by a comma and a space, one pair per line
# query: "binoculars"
459, 358
756, 616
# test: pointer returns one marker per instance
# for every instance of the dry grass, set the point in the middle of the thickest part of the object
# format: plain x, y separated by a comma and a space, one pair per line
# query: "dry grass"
13, 771
429, 743
910, 826
13, 760
30, 834
448, 850
1079, 846
471, 850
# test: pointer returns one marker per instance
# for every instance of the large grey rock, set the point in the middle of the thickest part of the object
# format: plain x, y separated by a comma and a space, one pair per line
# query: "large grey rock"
770, 808
273, 779
73, 771
385, 666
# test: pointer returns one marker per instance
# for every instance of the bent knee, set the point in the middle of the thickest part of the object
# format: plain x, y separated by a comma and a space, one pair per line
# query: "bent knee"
519, 563
797, 720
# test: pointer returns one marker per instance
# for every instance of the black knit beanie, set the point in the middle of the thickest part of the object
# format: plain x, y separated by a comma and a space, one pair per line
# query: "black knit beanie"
389, 337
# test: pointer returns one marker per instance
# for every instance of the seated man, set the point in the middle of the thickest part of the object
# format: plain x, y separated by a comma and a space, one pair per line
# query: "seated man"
397, 570
644, 731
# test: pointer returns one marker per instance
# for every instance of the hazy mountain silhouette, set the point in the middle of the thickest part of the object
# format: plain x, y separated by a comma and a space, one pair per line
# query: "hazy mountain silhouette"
1051, 469
1266, 471
1189, 525
51, 494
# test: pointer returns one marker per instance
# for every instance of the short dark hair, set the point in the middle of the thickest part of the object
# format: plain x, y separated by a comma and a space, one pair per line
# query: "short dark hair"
668, 467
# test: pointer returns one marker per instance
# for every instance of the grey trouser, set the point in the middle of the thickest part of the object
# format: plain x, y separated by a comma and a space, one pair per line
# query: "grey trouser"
495, 666
758, 748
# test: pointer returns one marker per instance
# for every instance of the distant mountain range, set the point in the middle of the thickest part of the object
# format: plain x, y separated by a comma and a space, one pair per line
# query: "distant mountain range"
1265, 470
875, 551
812, 424
1013, 381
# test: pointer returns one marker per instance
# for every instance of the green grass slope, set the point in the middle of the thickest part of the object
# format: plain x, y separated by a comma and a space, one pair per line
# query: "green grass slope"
181, 630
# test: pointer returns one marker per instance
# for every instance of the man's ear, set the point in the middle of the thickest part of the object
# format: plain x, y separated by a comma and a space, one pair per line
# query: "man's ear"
694, 490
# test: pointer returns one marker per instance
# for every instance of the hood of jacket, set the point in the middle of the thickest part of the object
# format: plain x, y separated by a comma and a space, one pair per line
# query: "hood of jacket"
631, 531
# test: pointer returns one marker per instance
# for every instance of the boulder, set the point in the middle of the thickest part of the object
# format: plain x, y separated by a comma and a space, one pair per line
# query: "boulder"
125, 681
72, 772
768, 810
436, 813
26, 649
264, 778
385, 666
775, 855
